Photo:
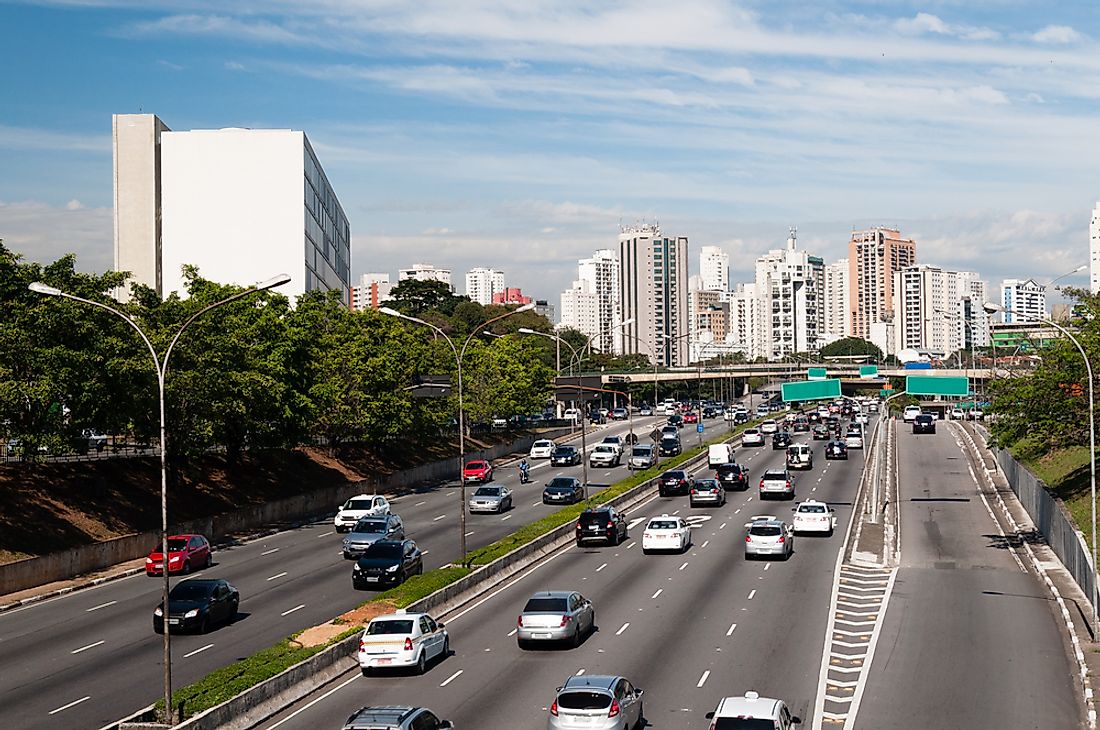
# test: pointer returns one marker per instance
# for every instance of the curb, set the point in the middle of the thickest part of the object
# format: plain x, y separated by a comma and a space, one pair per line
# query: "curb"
70, 589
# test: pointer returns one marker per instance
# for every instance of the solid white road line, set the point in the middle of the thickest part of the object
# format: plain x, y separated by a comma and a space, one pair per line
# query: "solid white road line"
102, 605
513, 632
601, 567
437, 519
622, 628
71, 704
268, 552
634, 523
508, 585
323, 697
279, 575
86, 648
296, 608
450, 679
752, 593
198, 651
703, 679
659, 592
731, 629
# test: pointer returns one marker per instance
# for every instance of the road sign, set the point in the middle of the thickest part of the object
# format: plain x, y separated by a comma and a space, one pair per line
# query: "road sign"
618, 379
868, 371
698, 428
816, 374
936, 385
811, 390
886, 392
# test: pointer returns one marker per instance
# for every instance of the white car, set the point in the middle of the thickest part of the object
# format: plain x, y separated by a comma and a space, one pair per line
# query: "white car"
910, 413
358, 507
854, 440
604, 455
958, 414
616, 441
572, 414
769, 426
402, 640
666, 532
813, 516
752, 437
542, 449
752, 710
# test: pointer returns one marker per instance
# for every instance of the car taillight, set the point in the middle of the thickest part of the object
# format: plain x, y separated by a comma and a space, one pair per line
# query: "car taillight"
610, 523
565, 620
519, 621
748, 538
362, 645
578, 525
408, 644
614, 711
761, 483
554, 708
788, 484
782, 539
693, 490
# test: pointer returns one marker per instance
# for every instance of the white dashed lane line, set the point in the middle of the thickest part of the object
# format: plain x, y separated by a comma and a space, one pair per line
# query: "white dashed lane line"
705, 543
296, 608
513, 632
200, 650
601, 567
723, 525
683, 566
86, 648
659, 592
102, 605
731, 629
767, 565
631, 545
622, 628
418, 504
505, 517
580, 671
277, 575
450, 679
469, 533
71, 704
326, 534
752, 593
440, 517
268, 552
703, 679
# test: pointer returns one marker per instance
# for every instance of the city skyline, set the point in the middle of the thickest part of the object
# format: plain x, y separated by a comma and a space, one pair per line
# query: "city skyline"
453, 134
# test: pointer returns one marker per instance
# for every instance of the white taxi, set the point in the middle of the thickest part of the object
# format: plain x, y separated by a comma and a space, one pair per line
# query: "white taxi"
666, 532
813, 516
542, 449
402, 640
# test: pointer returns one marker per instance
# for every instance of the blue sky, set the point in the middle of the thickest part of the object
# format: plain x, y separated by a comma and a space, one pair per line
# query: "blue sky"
519, 135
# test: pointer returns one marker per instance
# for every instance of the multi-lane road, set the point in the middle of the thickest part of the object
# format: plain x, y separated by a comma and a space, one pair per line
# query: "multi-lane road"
91, 657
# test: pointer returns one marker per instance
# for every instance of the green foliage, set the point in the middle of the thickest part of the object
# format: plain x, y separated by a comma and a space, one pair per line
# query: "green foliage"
415, 297
421, 586
851, 346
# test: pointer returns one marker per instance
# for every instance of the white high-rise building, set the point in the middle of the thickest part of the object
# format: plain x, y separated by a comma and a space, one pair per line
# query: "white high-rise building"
835, 300
1026, 299
425, 272
789, 283
228, 202
653, 294
373, 289
714, 269
938, 310
601, 272
743, 330
1094, 250
580, 309
482, 284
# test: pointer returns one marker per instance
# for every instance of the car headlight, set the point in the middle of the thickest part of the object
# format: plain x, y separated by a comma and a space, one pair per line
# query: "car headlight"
148, 561
174, 560
347, 541
392, 568
356, 568
158, 611
192, 613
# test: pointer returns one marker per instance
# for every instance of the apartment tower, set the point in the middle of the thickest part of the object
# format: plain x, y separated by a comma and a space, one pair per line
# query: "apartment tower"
653, 294
874, 256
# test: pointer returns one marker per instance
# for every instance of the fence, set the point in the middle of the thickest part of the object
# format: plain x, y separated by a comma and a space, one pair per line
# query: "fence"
1052, 521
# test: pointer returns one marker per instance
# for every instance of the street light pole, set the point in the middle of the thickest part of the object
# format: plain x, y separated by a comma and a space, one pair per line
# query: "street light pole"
459, 356
991, 308
161, 367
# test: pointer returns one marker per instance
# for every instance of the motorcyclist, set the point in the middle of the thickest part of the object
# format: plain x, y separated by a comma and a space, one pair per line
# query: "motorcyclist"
524, 468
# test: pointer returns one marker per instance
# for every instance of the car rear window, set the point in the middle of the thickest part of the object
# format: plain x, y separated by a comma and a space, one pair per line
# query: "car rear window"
191, 591
487, 492
706, 484
765, 530
775, 475
564, 450
729, 469
547, 605
589, 518
815, 508
662, 525
560, 483
584, 701
744, 723
391, 626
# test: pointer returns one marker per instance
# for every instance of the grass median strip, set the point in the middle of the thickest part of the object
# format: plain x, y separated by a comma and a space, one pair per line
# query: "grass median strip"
225, 683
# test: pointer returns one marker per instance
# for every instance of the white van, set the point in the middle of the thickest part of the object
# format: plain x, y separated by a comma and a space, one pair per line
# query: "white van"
800, 456
719, 454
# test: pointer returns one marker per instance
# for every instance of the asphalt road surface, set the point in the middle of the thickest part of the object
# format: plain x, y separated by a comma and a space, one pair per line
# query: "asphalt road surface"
91, 657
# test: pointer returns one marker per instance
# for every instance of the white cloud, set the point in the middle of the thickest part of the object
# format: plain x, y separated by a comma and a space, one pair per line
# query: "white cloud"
922, 23
1057, 34
74, 204
43, 233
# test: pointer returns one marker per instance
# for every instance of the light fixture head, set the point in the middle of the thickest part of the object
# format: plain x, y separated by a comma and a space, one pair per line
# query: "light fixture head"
991, 308
390, 311
526, 307
528, 331
274, 281
40, 288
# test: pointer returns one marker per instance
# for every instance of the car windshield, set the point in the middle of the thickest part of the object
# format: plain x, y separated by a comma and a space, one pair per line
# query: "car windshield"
545, 605
176, 545
743, 723
583, 701
642, 451
487, 492
384, 550
390, 626
673, 475
765, 530
358, 504
662, 525
813, 508
370, 526
560, 483
543, 444
191, 591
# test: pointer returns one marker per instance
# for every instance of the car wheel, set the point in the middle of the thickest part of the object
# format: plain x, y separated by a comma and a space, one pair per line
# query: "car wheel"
204, 626
577, 638
446, 649
691, 504
641, 717
186, 567
209, 560
421, 664
646, 551
578, 543
158, 627
232, 613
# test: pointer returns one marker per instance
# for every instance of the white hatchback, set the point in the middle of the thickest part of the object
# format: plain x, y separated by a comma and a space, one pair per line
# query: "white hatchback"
769, 426
813, 516
910, 413
666, 532
542, 449
402, 640
358, 507
752, 437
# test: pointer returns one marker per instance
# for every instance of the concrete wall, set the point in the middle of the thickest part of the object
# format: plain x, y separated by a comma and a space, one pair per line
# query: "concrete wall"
68, 564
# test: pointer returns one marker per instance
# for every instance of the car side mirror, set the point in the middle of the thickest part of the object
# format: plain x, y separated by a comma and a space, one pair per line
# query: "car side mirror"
638, 692
445, 725
796, 720
440, 624
709, 715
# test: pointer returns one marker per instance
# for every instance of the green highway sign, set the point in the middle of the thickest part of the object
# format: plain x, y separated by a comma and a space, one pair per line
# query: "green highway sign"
811, 390
868, 371
886, 392
816, 374
936, 385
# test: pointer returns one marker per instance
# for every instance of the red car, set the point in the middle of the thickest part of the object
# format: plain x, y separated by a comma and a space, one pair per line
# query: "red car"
185, 553
478, 471
691, 417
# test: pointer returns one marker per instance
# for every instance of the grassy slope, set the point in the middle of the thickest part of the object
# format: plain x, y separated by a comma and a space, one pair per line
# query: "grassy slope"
1066, 472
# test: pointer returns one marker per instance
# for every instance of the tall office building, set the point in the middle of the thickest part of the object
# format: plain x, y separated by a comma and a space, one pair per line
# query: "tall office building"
789, 283
837, 319
482, 284
706, 327
373, 289
714, 269
874, 256
601, 272
653, 294
425, 272
1026, 299
228, 202
1094, 250
939, 310
580, 309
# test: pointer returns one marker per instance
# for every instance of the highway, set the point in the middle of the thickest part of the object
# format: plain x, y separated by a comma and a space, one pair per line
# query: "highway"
970, 639
91, 657
688, 629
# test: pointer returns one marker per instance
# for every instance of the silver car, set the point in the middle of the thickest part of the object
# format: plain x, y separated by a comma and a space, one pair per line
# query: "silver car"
597, 701
370, 530
768, 536
776, 483
642, 457
555, 616
491, 499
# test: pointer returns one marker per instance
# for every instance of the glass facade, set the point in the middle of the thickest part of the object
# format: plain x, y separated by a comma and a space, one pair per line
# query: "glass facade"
327, 234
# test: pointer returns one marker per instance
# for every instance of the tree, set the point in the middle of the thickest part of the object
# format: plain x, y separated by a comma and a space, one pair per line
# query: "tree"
851, 346
414, 297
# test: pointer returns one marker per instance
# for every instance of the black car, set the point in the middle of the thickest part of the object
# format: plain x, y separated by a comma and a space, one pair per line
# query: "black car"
675, 481
198, 604
710, 412
820, 432
387, 562
565, 456
781, 440
924, 423
801, 425
741, 417
676, 420
603, 524
836, 450
670, 446
732, 476
563, 490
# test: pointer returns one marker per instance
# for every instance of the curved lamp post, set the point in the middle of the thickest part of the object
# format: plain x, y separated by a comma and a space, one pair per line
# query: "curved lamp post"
459, 356
991, 308
160, 364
